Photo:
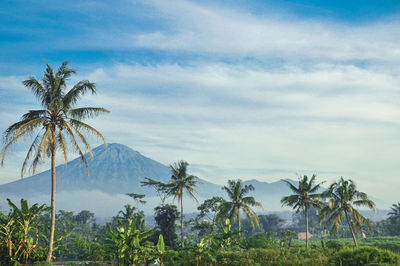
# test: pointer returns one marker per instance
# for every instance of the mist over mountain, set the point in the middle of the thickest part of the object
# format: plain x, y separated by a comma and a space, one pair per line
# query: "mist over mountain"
114, 171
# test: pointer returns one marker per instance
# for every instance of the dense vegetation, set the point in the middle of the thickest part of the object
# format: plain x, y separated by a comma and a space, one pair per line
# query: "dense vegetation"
218, 235
210, 238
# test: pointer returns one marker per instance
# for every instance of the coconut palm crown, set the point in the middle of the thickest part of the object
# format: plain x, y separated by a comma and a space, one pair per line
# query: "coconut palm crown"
304, 197
58, 122
343, 197
395, 210
238, 201
181, 181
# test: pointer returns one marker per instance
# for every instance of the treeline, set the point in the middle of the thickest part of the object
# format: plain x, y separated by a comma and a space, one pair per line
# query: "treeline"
216, 235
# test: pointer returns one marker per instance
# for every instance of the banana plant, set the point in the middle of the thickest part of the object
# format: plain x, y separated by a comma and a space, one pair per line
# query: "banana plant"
26, 219
57, 239
125, 241
227, 237
204, 249
6, 232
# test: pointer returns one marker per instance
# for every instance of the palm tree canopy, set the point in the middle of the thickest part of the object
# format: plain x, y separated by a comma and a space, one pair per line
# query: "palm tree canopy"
344, 196
58, 121
239, 201
304, 196
395, 210
180, 181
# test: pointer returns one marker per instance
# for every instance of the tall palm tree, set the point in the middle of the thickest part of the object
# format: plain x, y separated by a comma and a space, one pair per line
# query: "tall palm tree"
239, 201
304, 197
181, 181
395, 210
343, 196
55, 124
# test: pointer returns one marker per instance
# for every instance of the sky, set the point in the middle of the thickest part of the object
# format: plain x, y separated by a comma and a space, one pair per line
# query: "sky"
239, 89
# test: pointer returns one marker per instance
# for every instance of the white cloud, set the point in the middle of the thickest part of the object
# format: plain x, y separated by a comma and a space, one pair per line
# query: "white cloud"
330, 119
222, 30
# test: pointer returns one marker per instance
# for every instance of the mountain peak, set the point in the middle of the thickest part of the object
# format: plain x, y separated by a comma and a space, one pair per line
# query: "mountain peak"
115, 168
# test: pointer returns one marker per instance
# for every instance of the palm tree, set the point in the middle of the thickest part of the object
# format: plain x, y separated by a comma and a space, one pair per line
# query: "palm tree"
239, 201
344, 196
395, 210
304, 197
179, 182
56, 123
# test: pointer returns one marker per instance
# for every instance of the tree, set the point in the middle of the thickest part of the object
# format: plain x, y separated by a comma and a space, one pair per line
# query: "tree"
181, 181
304, 197
209, 209
395, 210
393, 222
271, 222
204, 223
165, 217
160, 187
57, 122
138, 198
84, 217
343, 196
238, 201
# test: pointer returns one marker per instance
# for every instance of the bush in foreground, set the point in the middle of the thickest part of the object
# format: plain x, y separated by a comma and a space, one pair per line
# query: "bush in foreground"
364, 256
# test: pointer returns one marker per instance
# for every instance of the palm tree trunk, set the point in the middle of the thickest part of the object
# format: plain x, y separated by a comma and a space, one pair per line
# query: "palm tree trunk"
351, 229
238, 217
53, 196
306, 214
182, 221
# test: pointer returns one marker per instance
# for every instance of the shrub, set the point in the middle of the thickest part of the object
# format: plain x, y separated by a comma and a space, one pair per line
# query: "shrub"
363, 256
334, 244
262, 240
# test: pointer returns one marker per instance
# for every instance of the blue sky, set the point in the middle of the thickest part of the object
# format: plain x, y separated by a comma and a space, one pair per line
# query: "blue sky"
240, 89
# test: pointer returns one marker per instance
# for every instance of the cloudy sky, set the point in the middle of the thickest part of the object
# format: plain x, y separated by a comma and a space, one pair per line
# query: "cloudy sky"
249, 89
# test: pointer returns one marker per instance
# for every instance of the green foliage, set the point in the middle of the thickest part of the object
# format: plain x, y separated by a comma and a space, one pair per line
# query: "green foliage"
128, 245
395, 210
287, 238
259, 256
205, 221
179, 183
228, 238
262, 240
238, 201
343, 196
334, 244
364, 256
18, 233
268, 223
304, 198
165, 217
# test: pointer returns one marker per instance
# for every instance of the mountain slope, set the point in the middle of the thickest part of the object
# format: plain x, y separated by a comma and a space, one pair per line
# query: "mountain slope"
115, 169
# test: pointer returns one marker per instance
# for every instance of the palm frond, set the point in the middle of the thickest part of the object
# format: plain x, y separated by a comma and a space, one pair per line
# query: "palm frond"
87, 112
75, 145
79, 90
291, 186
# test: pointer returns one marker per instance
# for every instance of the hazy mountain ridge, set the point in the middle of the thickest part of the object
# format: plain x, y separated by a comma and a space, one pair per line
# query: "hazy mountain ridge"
116, 170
